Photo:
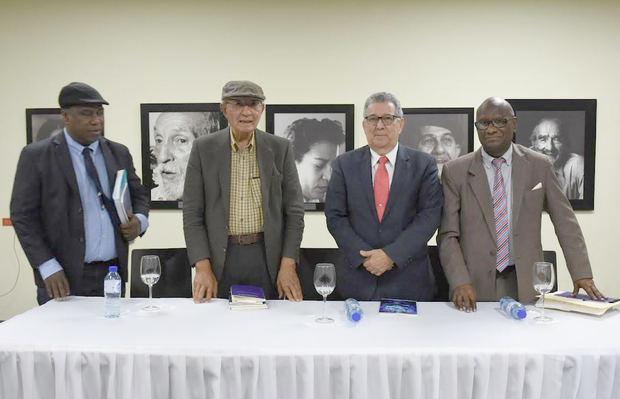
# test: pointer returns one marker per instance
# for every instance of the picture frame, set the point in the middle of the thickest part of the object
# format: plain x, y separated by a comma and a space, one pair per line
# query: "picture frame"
319, 134
565, 131
165, 152
42, 123
445, 133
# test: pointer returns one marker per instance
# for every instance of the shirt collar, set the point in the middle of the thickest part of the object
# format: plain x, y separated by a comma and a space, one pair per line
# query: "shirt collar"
94, 146
391, 156
233, 142
487, 159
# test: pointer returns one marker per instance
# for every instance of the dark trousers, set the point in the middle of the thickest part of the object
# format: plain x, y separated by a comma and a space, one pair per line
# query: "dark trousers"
91, 284
246, 264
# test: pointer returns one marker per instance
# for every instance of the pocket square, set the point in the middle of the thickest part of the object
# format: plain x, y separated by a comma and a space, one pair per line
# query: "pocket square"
538, 186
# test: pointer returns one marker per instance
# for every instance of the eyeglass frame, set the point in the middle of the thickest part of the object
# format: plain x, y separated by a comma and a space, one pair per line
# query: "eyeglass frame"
381, 118
255, 104
497, 123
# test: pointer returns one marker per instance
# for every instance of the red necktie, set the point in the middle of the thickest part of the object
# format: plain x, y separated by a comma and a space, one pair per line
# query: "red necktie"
382, 187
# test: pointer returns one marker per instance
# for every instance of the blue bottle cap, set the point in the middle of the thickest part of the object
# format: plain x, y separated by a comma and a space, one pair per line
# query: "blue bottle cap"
522, 314
113, 269
356, 316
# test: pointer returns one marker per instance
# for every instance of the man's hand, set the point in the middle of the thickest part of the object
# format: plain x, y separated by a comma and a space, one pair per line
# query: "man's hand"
588, 286
205, 283
464, 298
57, 285
288, 282
131, 229
377, 261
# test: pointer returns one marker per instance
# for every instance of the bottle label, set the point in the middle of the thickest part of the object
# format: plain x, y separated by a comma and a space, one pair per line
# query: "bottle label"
112, 286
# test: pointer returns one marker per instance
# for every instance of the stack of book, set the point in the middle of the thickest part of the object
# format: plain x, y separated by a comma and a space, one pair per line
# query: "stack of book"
581, 303
246, 297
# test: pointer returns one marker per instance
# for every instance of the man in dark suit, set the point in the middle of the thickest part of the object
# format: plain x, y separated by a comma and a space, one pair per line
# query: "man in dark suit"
489, 237
383, 205
242, 204
61, 204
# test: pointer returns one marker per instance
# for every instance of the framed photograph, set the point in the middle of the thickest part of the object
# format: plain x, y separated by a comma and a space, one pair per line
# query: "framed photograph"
168, 131
445, 133
42, 123
564, 131
319, 134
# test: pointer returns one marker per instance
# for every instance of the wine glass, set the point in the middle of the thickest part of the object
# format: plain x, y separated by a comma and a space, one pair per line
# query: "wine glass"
150, 270
324, 282
544, 278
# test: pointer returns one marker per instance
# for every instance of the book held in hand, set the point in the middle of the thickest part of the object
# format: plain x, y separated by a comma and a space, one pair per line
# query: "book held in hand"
404, 307
121, 195
246, 297
582, 303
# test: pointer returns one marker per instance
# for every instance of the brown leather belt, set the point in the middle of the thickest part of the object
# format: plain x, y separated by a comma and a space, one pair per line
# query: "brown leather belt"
246, 239
104, 263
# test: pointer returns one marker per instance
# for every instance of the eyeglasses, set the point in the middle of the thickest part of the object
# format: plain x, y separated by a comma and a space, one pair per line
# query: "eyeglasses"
386, 119
484, 125
238, 105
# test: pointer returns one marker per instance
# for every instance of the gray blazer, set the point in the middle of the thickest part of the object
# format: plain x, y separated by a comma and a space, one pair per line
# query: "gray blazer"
46, 208
206, 199
411, 217
466, 238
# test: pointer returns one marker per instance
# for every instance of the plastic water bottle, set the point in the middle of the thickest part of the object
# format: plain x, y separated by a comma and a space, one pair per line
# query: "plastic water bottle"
112, 291
353, 310
512, 308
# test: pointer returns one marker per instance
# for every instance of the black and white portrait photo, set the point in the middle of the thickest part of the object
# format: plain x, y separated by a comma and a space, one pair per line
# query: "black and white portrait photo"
558, 130
170, 138
42, 123
317, 138
445, 133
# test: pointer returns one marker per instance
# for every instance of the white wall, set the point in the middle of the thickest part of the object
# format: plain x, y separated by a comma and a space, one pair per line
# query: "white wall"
454, 54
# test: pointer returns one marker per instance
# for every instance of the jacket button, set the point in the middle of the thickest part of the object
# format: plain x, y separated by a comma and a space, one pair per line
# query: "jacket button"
79, 210
491, 253
81, 239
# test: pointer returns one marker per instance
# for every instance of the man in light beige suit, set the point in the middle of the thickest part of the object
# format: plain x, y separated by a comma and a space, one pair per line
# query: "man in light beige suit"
242, 204
467, 236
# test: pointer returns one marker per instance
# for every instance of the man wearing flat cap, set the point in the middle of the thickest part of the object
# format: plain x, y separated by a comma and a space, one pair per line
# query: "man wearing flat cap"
242, 204
61, 205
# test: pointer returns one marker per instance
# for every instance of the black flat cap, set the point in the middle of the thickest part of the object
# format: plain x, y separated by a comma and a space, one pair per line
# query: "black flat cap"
78, 93
242, 88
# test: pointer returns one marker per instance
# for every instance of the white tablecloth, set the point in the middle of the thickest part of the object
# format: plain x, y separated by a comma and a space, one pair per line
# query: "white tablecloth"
69, 350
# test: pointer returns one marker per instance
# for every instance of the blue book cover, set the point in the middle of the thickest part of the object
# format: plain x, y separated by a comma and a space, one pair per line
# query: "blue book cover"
121, 196
246, 293
398, 307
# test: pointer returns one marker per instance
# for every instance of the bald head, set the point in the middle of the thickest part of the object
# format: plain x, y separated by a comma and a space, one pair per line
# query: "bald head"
496, 124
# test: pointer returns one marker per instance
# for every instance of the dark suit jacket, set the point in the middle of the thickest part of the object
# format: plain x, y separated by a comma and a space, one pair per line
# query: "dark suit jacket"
411, 217
46, 208
206, 199
467, 246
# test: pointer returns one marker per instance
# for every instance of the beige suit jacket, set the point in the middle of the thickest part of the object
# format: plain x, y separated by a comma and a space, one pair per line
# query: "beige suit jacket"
206, 199
466, 238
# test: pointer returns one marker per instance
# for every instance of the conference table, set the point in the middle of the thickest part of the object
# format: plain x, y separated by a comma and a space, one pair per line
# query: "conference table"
67, 349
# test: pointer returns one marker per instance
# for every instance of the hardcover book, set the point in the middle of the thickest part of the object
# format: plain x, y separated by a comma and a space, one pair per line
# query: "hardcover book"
121, 195
246, 297
403, 307
581, 303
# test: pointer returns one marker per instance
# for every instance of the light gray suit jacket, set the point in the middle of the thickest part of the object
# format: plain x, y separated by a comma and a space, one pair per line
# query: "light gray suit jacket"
206, 199
466, 237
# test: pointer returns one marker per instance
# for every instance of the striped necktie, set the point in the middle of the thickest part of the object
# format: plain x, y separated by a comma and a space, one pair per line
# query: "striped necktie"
500, 210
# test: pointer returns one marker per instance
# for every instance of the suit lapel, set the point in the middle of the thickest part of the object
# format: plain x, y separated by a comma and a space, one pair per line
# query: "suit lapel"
265, 166
61, 149
520, 171
365, 169
401, 169
222, 152
480, 186
111, 165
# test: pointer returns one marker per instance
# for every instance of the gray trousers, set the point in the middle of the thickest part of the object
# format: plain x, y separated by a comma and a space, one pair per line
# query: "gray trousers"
246, 264
506, 284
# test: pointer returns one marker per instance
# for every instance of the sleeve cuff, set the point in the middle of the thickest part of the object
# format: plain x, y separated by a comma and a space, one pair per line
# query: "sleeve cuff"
49, 267
144, 222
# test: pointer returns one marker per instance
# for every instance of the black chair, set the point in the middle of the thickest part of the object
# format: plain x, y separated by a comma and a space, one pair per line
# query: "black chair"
308, 258
176, 274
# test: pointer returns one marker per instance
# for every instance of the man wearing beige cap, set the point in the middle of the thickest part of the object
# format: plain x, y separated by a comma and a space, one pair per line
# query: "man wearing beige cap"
242, 204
